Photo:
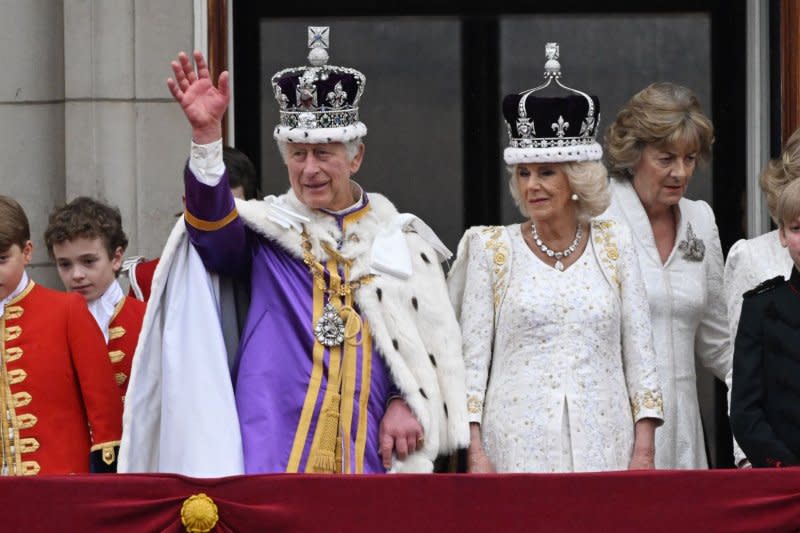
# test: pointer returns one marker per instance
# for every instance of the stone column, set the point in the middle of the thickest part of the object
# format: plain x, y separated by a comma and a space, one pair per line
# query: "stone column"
32, 116
126, 141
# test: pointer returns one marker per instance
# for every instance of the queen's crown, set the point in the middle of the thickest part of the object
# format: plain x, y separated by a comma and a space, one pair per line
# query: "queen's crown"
551, 128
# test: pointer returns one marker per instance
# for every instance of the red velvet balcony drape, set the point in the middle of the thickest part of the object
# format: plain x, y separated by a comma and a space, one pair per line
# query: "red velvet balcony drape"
674, 501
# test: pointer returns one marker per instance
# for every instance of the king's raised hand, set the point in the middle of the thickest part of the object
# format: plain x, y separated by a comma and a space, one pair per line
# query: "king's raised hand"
202, 102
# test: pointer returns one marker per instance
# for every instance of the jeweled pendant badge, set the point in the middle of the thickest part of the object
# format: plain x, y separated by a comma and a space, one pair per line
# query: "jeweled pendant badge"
329, 330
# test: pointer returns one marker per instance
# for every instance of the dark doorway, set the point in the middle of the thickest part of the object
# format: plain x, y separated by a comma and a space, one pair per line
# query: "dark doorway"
436, 74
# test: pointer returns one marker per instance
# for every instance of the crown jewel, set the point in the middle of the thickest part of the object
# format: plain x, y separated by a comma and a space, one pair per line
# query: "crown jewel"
319, 102
552, 68
551, 129
318, 43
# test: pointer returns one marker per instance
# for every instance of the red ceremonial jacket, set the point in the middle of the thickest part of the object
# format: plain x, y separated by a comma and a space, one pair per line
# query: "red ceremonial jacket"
59, 401
123, 333
140, 275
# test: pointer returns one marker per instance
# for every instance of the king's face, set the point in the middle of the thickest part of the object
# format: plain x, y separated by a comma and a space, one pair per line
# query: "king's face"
320, 174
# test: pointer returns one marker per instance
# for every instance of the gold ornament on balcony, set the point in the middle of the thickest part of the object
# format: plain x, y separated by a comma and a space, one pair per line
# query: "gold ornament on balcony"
199, 514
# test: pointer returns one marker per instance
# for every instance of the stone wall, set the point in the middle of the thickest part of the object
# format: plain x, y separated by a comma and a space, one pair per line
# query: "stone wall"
84, 110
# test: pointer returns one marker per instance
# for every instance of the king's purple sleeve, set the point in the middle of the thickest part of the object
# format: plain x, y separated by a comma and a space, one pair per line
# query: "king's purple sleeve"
215, 229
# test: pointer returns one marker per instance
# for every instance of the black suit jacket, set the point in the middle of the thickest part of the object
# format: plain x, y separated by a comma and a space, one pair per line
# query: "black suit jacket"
765, 398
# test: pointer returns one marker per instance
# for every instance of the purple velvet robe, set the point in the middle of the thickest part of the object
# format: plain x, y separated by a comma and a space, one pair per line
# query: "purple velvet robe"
281, 382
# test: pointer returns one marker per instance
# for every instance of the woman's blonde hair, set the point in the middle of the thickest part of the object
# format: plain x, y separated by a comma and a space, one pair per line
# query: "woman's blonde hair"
587, 179
780, 172
663, 114
788, 208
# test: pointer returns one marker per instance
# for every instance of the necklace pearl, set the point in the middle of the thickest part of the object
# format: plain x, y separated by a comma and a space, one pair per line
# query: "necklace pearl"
558, 256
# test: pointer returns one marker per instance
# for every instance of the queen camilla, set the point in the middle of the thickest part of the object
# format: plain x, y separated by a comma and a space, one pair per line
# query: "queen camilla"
560, 367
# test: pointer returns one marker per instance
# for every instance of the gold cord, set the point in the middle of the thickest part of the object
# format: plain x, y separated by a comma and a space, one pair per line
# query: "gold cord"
345, 288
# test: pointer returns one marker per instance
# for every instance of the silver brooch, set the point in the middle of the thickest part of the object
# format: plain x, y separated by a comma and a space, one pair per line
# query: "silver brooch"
693, 248
329, 330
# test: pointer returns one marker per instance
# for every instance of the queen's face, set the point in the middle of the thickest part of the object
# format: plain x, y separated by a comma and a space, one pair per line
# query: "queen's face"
544, 190
662, 175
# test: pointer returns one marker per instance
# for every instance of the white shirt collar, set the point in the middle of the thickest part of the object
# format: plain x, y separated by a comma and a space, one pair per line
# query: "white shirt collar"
102, 309
20, 287
358, 203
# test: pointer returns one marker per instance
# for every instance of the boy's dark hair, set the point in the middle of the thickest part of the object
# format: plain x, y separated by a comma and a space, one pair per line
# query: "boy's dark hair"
14, 226
88, 218
241, 171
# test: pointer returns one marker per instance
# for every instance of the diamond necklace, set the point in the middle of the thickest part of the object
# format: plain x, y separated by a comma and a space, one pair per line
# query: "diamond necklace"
552, 253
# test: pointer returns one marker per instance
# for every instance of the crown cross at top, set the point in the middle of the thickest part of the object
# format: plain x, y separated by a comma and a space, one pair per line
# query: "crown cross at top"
318, 36
318, 42
552, 68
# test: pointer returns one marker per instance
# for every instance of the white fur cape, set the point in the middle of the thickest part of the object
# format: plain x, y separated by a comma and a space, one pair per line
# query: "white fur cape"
180, 413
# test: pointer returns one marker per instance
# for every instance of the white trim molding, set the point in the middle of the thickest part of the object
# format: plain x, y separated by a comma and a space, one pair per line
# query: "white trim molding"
231, 112
758, 123
201, 26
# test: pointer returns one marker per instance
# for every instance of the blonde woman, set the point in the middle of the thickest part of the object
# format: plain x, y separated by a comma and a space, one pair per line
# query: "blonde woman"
751, 261
556, 332
653, 148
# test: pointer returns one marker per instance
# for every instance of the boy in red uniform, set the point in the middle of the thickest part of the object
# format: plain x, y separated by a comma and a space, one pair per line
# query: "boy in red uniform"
86, 240
60, 411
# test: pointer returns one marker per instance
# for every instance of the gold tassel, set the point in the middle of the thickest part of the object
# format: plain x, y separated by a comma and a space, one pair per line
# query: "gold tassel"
325, 459
324, 463
339, 448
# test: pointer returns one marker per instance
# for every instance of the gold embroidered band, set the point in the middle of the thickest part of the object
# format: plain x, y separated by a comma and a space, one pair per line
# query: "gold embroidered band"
207, 225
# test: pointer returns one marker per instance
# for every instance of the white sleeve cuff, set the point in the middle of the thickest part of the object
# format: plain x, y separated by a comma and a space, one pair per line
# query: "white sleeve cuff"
205, 162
